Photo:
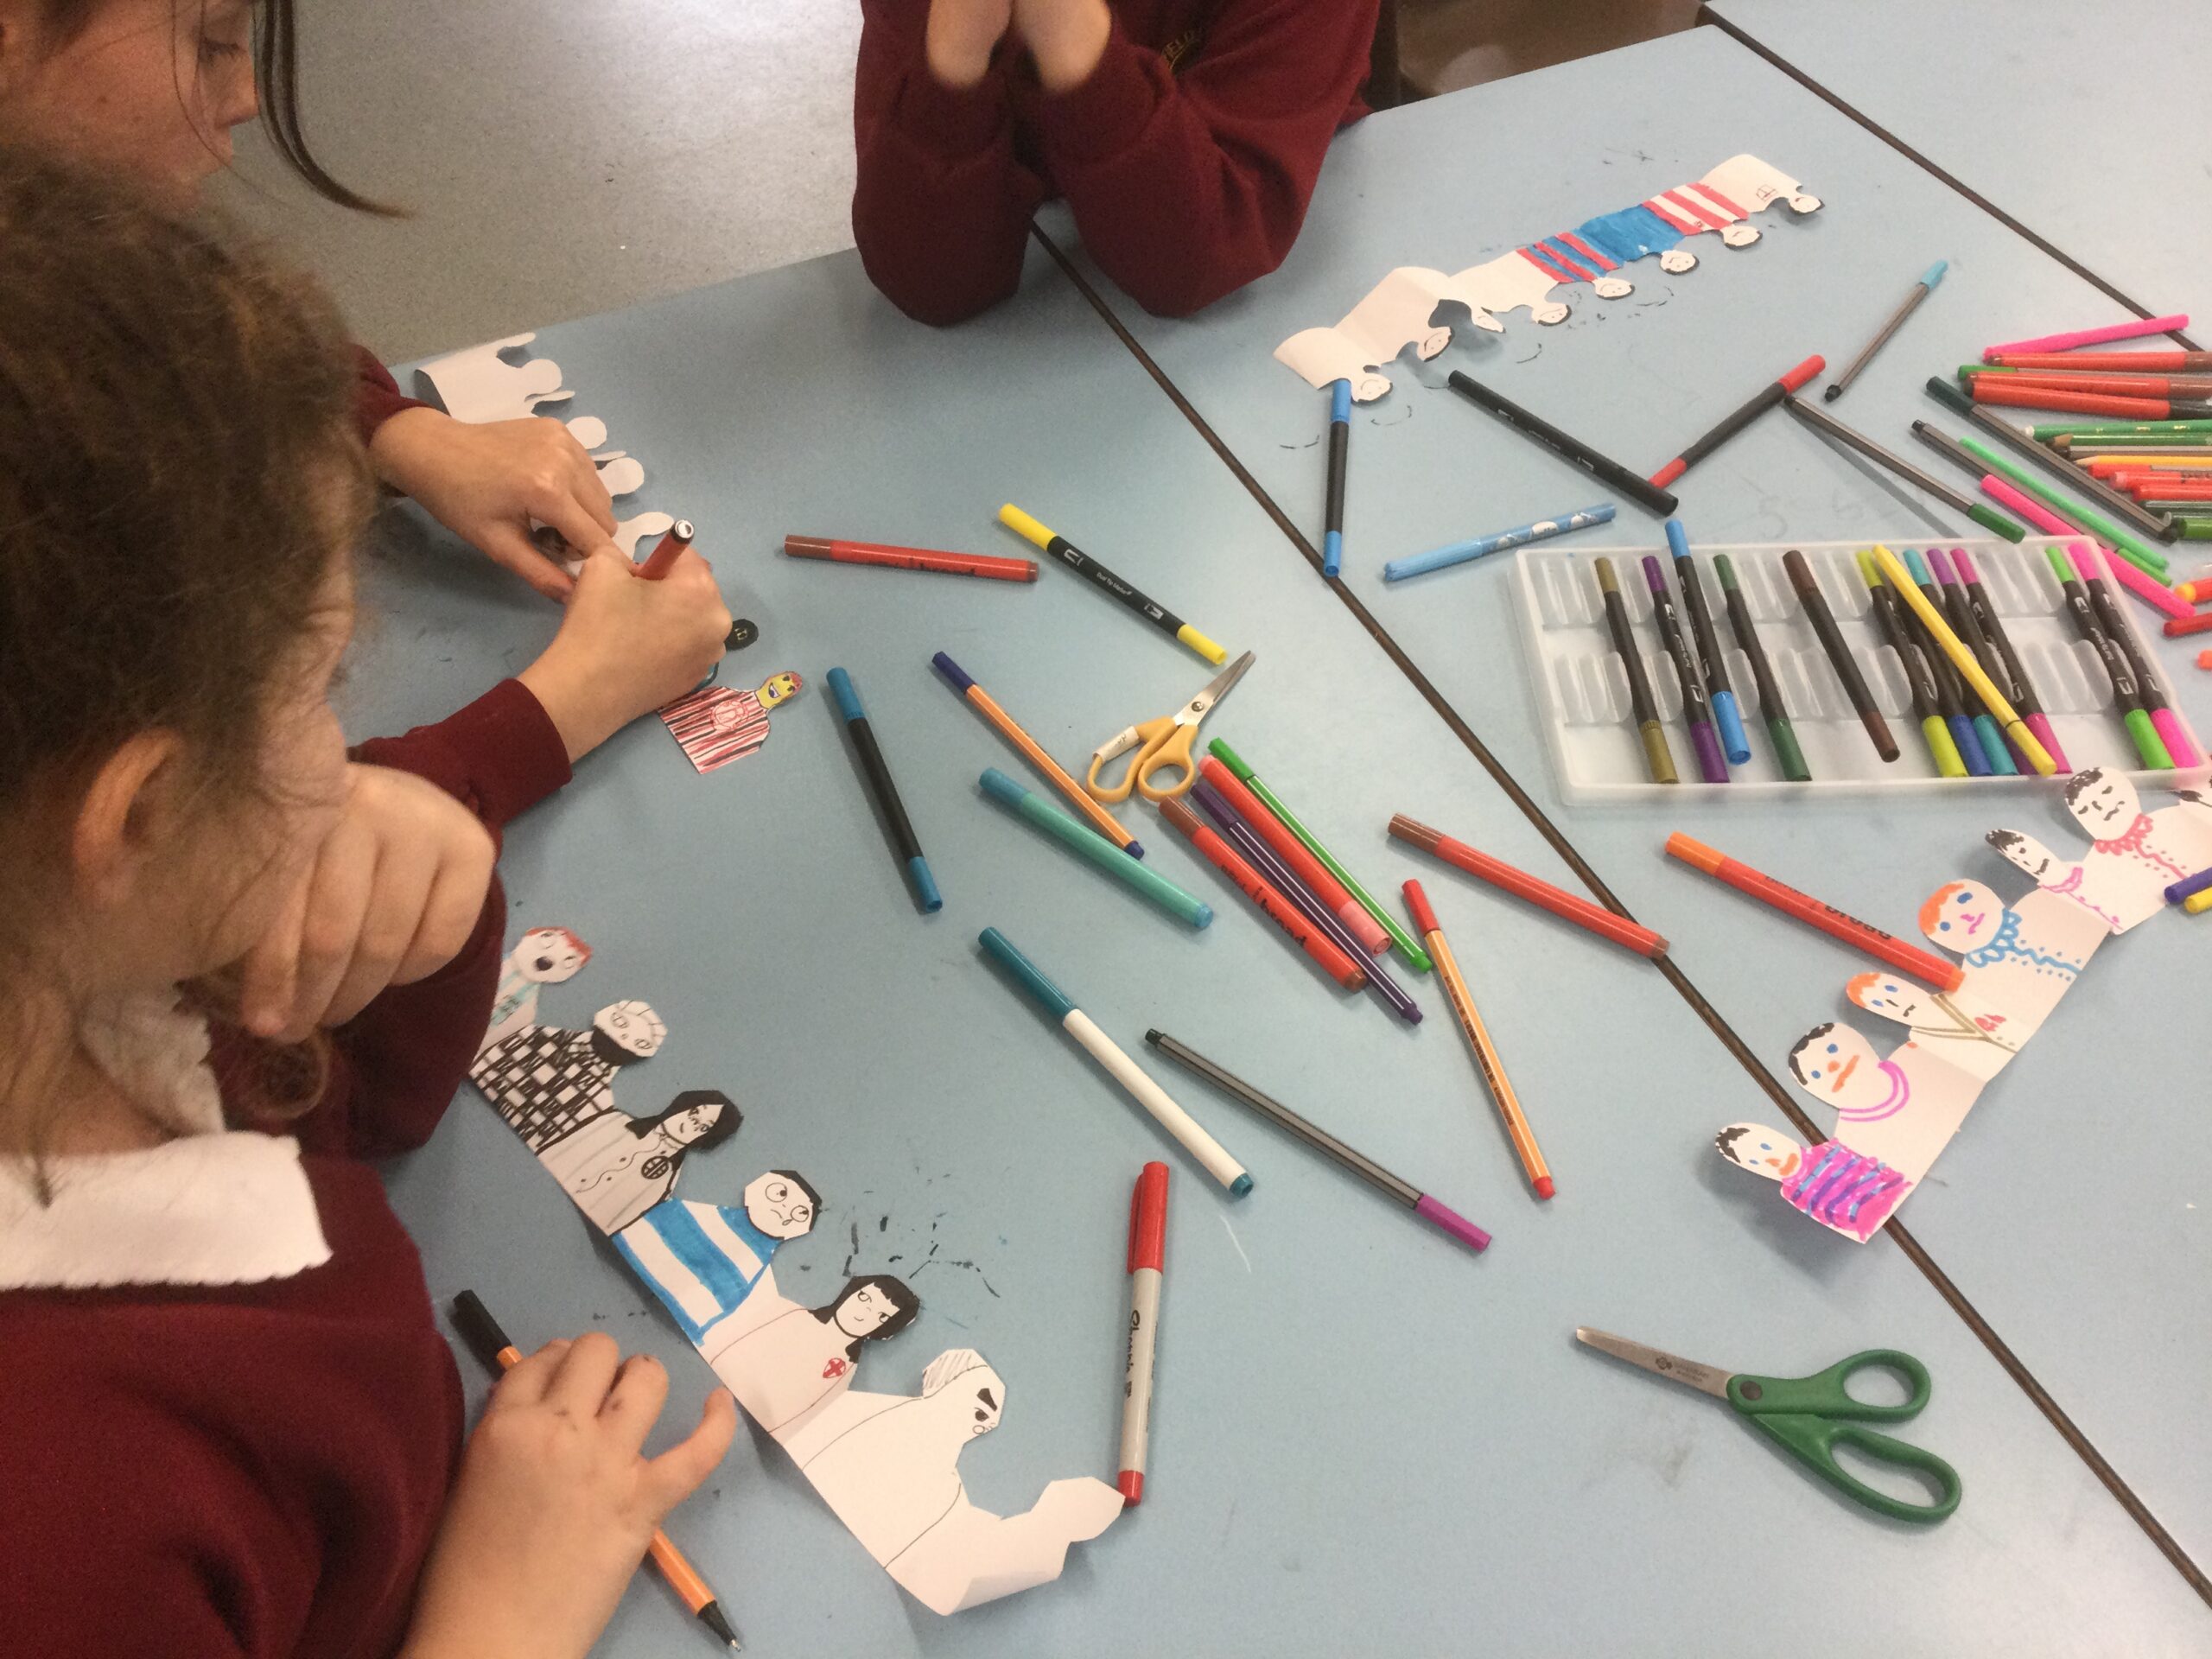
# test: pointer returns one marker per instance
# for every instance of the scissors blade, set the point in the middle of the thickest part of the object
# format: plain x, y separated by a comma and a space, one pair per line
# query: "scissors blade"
1216, 689
1706, 1379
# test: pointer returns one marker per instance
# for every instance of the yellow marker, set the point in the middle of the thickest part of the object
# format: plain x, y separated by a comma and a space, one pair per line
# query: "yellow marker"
2197, 903
1083, 564
1902, 584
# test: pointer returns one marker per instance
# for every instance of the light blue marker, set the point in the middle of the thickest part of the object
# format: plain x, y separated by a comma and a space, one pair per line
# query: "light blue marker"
1209, 1152
1727, 718
1332, 535
1459, 552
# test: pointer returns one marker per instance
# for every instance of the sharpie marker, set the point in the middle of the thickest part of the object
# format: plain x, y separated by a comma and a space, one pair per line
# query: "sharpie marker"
1148, 1274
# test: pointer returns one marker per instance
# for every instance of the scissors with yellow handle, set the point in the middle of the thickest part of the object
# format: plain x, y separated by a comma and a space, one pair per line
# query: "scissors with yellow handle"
1161, 746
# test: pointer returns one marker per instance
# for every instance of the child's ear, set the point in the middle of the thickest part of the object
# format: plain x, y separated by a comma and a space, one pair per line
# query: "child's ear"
124, 816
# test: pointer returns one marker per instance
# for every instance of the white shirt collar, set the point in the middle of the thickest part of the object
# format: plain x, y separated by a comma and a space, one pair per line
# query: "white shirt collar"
214, 1206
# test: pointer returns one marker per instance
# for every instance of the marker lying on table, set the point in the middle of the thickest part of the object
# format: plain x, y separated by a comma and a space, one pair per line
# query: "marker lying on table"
1294, 853
1985, 725
1459, 552
1816, 605
2121, 362
1821, 422
2179, 628
1331, 958
1920, 677
1725, 716
1943, 974
1332, 532
2179, 749
1920, 291
1100, 819
1737, 419
2118, 668
1658, 758
1087, 844
1565, 446
1415, 958
2104, 382
878, 774
1104, 580
1605, 923
2008, 720
1148, 1271
1697, 713
910, 558
2189, 887
497, 1354
1787, 755
2136, 328
1485, 1051
1322, 1141
1993, 629
2008, 392
1946, 393
1202, 1146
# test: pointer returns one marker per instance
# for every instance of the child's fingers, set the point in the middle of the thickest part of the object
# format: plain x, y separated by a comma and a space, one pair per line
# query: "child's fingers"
270, 972
451, 912
337, 902
584, 524
523, 1382
676, 1474
585, 1373
406, 865
507, 546
633, 1404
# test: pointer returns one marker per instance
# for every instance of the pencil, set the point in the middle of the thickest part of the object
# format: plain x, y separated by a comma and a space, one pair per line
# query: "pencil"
1106, 582
1970, 670
1332, 534
1658, 758
1920, 291
1567, 448
1779, 731
1827, 424
1054, 774
873, 767
1486, 1060
490, 1343
1816, 605
1737, 419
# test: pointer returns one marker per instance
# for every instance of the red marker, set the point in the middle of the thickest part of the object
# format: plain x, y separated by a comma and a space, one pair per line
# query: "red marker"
1605, 923
1148, 1266
910, 558
1996, 389
1289, 849
667, 550
1332, 959
1767, 398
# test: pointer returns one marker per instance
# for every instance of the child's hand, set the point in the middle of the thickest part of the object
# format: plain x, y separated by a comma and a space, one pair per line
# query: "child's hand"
960, 35
486, 482
556, 1505
1066, 38
628, 646
392, 895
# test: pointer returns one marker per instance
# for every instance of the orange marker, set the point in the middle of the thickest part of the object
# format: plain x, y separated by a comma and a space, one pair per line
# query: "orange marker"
1605, 923
1486, 1060
667, 550
491, 1346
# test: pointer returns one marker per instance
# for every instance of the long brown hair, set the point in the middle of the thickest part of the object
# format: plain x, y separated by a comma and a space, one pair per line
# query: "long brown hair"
277, 73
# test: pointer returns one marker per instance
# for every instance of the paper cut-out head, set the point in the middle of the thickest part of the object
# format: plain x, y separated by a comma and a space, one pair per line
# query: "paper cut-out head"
2103, 803
1962, 916
964, 1388
781, 1203
700, 1119
1803, 201
871, 1309
779, 687
2028, 854
1891, 999
550, 956
1676, 261
1548, 312
1739, 235
1612, 288
632, 1031
1835, 1064
1761, 1150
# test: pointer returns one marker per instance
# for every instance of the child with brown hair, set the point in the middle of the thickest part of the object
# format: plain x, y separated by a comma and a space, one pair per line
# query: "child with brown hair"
230, 1425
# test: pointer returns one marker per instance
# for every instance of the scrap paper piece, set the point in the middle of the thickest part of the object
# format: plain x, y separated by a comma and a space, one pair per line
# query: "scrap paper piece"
544, 955
704, 1260
546, 1082
718, 724
496, 381
1401, 309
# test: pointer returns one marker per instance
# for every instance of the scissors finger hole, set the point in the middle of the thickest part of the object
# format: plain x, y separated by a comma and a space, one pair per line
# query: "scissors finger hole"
1900, 1483
1877, 1384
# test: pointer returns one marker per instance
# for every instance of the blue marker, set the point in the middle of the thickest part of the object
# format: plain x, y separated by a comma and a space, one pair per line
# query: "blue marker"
1459, 552
1332, 535
903, 842
1727, 718
1209, 1152
1920, 291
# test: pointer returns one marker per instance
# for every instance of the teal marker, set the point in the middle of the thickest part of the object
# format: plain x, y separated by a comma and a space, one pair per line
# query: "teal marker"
1090, 844
902, 844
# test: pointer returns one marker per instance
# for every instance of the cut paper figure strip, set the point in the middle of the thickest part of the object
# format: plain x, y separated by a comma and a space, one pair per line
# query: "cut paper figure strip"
1401, 309
545, 1081
1894, 1115
783, 1360
496, 381
704, 1260
544, 955
618, 1168
718, 724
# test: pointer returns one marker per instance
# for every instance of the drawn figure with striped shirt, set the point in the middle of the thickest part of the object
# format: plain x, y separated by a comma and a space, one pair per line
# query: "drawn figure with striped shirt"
703, 1260
717, 724
616, 1166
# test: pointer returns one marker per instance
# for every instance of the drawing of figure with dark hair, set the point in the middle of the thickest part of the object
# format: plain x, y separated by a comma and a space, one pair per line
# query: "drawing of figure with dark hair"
617, 1167
1839, 1188
782, 1360
546, 1081
703, 1260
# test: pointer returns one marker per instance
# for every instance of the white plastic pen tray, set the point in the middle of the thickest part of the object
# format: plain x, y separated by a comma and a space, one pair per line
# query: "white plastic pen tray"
1582, 689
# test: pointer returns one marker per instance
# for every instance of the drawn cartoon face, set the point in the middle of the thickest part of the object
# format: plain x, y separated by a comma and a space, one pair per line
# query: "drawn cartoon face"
1548, 313
1804, 202
1892, 998
1962, 916
1761, 1150
2102, 803
864, 1312
2036, 860
984, 1393
689, 1124
779, 1207
1612, 288
1739, 235
1676, 261
549, 955
631, 1026
780, 688
1838, 1065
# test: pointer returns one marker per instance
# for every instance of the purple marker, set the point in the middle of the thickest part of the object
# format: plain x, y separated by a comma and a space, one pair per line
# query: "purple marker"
2024, 700
1263, 858
1704, 737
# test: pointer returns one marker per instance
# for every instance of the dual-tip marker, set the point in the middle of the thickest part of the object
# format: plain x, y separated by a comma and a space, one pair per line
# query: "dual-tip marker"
1332, 535
1725, 714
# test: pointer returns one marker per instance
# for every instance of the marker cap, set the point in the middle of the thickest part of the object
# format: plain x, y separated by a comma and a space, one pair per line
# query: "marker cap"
1218, 748
1947, 761
1023, 525
1148, 1220
847, 699
917, 871
1678, 541
997, 784
1425, 922
1041, 991
1787, 754
1934, 274
1810, 368
1340, 400
1198, 642
1727, 715
1660, 758
955, 675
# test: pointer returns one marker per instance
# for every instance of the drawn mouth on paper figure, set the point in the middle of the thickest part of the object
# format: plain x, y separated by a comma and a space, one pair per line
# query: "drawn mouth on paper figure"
1789, 1166
1843, 1074
1974, 920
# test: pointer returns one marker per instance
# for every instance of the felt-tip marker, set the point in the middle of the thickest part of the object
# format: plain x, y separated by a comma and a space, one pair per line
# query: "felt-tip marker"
1147, 1269
1725, 716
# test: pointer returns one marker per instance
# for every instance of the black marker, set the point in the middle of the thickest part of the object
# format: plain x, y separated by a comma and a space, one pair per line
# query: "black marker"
1564, 445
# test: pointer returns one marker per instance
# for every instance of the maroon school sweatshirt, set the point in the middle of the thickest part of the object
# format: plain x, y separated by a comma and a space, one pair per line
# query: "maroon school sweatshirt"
1187, 158
197, 1467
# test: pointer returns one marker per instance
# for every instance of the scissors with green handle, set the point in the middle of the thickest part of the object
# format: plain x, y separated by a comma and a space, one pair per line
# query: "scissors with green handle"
1810, 1416
1161, 746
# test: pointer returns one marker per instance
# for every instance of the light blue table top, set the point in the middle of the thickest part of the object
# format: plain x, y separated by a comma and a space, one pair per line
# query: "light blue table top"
1364, 1437
2033, 105
2102, 1294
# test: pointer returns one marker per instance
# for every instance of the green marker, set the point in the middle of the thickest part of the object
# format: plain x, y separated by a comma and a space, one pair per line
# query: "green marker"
1416, 958
1779, 731
2126, 695
1089, 843
2142, 557
2046, 431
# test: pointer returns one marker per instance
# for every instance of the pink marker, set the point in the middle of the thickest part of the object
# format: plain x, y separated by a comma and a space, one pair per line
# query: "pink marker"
2135, 330
2183, 752
1984, 613
2137, 580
